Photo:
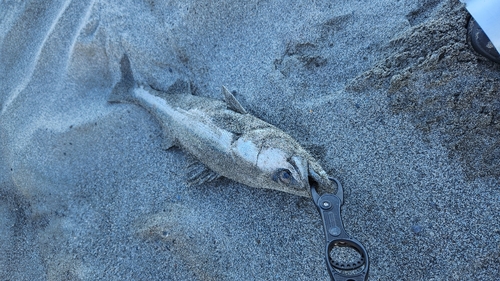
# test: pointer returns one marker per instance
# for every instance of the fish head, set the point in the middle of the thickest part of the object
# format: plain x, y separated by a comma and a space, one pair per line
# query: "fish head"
292, 171
284, 172
280, 163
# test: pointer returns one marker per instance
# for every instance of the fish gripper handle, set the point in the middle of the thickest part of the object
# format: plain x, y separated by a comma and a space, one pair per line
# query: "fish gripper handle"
346, 258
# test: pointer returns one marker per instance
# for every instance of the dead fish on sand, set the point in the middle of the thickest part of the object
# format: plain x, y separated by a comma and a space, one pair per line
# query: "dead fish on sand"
222, 136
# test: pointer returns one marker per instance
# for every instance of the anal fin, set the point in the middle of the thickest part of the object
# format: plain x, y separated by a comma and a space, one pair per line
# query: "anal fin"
167, 143
168, 138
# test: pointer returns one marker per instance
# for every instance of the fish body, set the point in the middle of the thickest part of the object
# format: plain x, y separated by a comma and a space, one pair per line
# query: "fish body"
227, 140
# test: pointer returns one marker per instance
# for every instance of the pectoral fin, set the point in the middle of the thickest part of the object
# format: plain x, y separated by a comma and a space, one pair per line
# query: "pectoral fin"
232, 102
198, 173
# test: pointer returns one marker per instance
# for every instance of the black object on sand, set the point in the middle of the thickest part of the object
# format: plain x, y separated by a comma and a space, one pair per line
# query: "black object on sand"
480, 41
346, 258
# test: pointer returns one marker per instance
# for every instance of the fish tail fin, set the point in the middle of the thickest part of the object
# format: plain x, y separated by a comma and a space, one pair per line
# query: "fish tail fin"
122, 92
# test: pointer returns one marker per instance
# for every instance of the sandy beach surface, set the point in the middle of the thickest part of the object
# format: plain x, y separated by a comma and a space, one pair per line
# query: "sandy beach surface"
387, 95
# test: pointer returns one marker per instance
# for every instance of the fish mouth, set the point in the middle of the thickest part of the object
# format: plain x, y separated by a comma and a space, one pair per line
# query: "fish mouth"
319, 183
313, 179
309, 178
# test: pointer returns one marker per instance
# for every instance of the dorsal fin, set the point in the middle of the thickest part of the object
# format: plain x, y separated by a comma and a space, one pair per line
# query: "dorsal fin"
180, 86
232, 102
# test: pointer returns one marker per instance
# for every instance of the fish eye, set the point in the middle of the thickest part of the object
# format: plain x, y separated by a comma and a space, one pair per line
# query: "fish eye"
285, 176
